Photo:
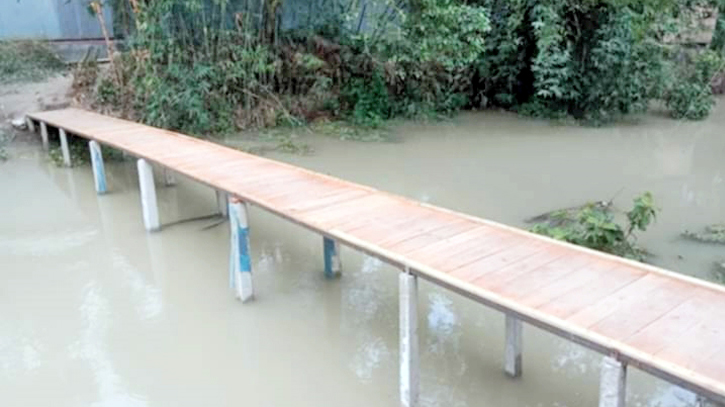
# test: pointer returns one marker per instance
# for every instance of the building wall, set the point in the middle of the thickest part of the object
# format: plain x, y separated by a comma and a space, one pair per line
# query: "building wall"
50, 20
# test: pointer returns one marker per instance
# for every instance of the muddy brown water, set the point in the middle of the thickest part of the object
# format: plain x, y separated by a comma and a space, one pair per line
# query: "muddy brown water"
96, 312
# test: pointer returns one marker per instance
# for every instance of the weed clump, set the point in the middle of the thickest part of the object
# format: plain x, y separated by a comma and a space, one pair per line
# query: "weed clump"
594, 226
25, 61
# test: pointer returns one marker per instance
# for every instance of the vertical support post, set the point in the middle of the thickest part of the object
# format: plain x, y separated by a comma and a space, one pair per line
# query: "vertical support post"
99, 172
222, 202
31, 125
613, 381
64, 147
514, 344
148, 195
44, 135
333, 265
409, 363
241, 265
169, 177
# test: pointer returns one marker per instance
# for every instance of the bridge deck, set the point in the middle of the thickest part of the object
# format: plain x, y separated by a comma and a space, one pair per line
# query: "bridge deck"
670, 325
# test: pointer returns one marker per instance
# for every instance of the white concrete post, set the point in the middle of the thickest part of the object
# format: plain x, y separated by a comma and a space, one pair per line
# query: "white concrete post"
333, 265
64, 147
514, 344
240, 259
222, 202
31, 125
169, 177
613, 382
148, 195
99, 172
44, 135
409, 363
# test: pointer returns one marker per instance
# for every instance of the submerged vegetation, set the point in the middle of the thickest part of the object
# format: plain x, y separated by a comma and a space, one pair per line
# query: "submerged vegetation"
710, 234
217, 66
596, 226
27, 61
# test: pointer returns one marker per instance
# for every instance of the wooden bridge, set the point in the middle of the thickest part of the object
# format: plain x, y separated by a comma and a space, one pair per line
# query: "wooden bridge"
667, 324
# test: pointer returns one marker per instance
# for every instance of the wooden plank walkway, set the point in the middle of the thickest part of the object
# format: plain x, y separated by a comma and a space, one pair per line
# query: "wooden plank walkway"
662, 322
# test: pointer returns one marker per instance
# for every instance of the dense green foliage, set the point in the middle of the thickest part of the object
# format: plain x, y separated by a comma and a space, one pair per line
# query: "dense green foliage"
594, 226
216, 65
595, 60
27, 61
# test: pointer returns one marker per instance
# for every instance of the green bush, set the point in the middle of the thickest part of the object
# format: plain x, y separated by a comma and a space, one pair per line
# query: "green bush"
691, 96
211, 66
595, 227
368, 100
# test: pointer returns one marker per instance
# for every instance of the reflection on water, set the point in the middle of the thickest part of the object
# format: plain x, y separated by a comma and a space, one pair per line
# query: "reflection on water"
45, 244
96, 312
443, 325
147, 297
91, 347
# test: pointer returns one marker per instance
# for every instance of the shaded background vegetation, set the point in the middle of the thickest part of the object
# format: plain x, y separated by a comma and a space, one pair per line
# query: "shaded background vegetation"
214, 66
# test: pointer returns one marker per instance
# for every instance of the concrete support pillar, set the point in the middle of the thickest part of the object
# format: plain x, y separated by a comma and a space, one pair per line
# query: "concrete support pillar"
169, 177
409, 358
148, 196
613, 383
30, 123
222, 202
240, 259
514, 344
64, 147
333, 265
99, 172
44, 135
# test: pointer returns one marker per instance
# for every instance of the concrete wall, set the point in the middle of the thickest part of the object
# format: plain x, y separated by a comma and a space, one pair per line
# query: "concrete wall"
51, 20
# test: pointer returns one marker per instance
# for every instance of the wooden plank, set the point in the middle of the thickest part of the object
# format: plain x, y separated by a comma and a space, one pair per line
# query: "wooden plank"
472, 271
583, 277
623, 299
622, 323
549, 273
496, 279
585, 294
676, 327
433, 236
467, 253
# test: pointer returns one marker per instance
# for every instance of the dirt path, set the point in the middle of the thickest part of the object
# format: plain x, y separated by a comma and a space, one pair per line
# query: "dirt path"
18, 99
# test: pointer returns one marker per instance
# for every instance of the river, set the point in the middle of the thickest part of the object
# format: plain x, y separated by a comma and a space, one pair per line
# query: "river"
96, 312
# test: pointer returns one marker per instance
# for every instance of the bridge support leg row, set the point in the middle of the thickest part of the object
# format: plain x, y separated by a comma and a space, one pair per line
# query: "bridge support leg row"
333, 265
222, 202
44, 135
169, 177
241, 265
99, 172
514, 345
409, 362
613, 383
64, 147
148, 196
30, 123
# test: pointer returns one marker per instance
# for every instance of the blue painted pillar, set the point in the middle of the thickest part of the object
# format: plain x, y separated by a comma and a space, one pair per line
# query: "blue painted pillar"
99, 172
240, 269
333, 265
